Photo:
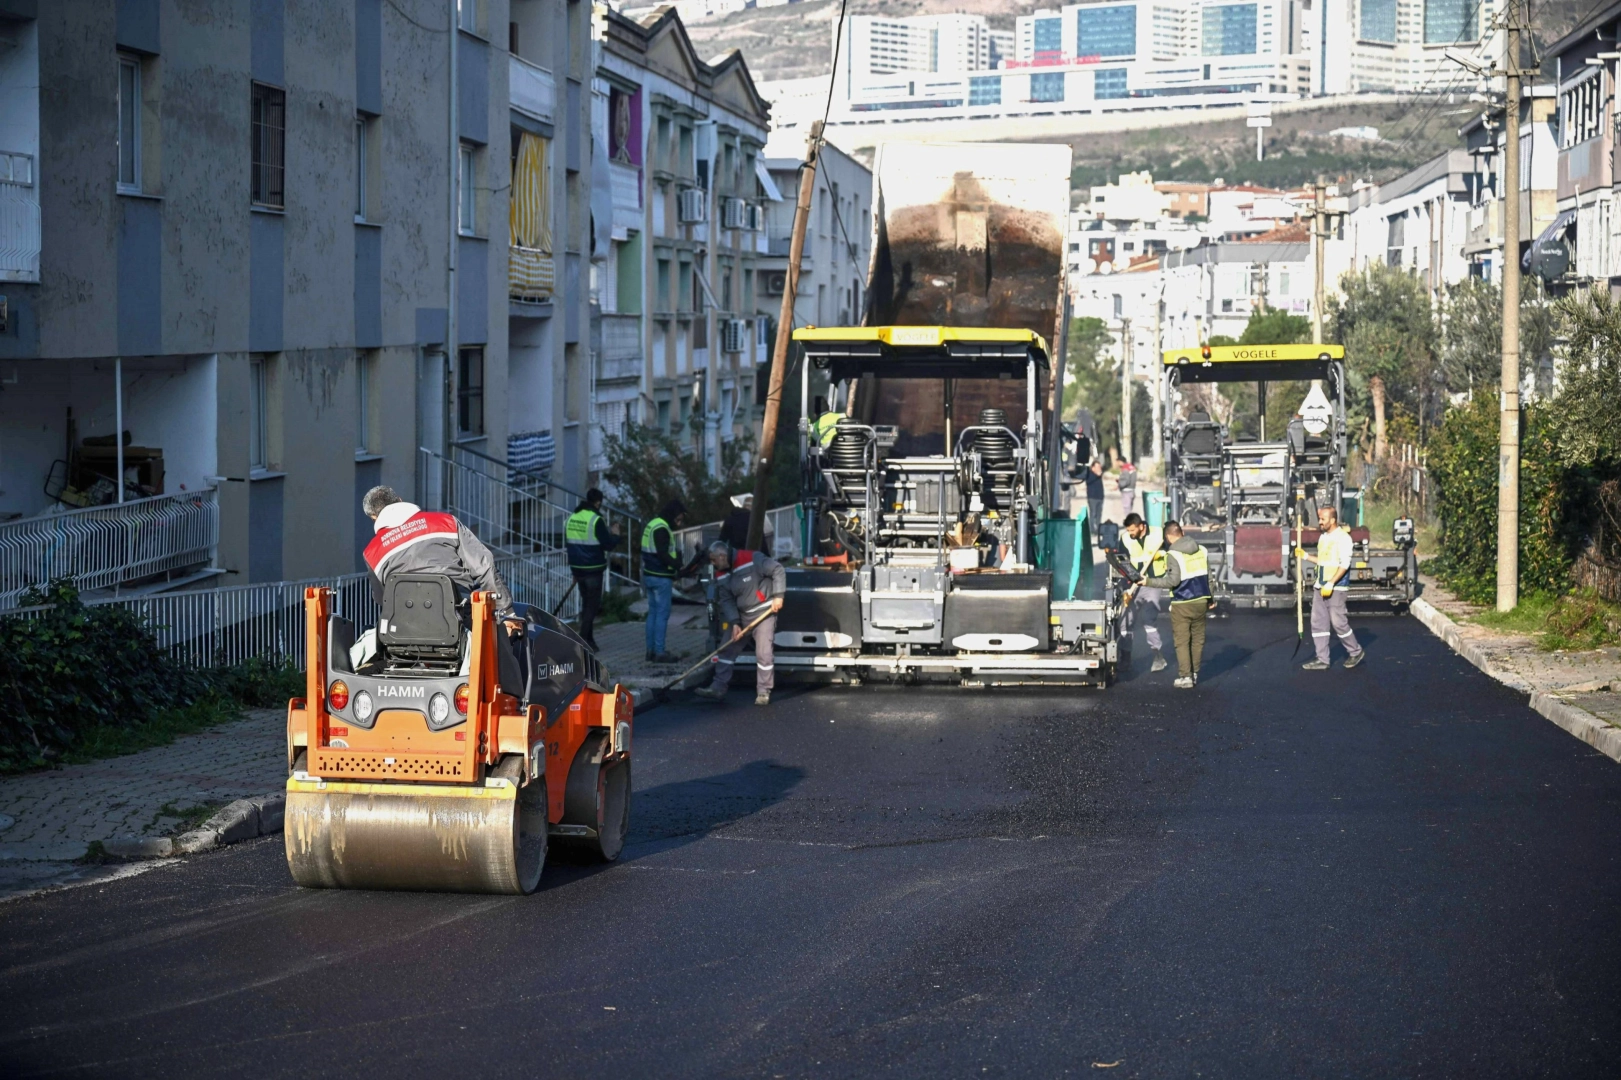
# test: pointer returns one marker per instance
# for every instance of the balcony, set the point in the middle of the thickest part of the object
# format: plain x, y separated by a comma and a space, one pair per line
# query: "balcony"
621, 356
625, 182
101, 547
531, 90
19, 218
531, 274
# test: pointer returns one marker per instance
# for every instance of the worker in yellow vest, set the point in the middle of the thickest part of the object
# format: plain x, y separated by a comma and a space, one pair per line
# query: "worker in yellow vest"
661, 565
588, 539
1187, 575
1329, 618
826, 424
1145, 547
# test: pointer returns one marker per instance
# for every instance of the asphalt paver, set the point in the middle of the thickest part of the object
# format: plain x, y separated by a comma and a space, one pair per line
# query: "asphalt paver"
1399, 870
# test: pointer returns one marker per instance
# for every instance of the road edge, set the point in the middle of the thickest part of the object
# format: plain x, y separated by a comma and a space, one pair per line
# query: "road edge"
1601, 736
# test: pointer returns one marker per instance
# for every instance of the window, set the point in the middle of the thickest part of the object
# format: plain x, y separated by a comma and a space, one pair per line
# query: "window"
269, 146
748, 289
259, 413
1581, 111
985, 90
1047, 87
362, 134
663, 297
470, 393
1377, 21
661, 149
465, 193
467, 15
362, 403
1106, 31
726, 290
1448, 22
129, 123
664, 416
1109, 84
1049, 38
1229, 30
684, 283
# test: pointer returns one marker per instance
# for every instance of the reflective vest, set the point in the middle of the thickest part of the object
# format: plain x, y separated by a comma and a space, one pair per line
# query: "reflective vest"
825, 427
1335, 549
1195, 583
1149, 549
650, 547
580, 537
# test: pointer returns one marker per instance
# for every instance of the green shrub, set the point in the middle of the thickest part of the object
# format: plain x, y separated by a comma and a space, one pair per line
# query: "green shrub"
1463, 468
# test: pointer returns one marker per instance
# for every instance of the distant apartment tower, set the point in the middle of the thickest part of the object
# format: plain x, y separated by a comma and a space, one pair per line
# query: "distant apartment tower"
1362, 45
927, 44
1159, 30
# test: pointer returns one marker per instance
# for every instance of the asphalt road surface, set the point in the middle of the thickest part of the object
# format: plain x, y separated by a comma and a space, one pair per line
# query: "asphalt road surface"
1394, 871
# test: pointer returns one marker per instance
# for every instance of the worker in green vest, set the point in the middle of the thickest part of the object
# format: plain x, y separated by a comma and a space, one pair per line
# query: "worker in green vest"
661, 565
1187, 575
588, 539
1145, 547
826, 424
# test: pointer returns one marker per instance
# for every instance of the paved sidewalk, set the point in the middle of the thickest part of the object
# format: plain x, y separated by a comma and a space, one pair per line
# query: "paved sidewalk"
624, 648
50, 818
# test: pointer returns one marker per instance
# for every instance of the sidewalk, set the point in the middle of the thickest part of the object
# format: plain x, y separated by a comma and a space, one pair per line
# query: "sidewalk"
624, 649
1579, 691
49, 819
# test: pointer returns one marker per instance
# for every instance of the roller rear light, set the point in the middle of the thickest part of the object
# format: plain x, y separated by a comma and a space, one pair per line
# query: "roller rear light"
337, 695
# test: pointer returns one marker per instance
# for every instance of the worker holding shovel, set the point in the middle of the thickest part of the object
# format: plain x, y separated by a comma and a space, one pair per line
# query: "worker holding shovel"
1328, 614
749, 584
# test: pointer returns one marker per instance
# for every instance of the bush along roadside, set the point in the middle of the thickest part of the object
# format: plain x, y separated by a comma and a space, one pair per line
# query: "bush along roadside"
79, 683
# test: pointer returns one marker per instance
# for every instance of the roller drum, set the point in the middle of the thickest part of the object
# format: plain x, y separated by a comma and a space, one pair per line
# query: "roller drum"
390, 836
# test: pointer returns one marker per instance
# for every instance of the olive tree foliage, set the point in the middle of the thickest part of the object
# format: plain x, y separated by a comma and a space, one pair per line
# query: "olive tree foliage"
1472, 334
1588, 405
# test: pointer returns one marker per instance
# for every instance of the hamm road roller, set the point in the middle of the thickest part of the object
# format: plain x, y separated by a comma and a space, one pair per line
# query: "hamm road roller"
441, 752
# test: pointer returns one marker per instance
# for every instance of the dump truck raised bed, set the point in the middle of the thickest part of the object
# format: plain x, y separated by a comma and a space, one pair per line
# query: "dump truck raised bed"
935, 552
444, 755
1247, 500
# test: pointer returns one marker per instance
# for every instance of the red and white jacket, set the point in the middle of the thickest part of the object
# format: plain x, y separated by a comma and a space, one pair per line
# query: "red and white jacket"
429, 542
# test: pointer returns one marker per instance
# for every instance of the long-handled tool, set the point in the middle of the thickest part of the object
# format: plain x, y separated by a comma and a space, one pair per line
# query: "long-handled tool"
1300, 571
568, 593
679, 679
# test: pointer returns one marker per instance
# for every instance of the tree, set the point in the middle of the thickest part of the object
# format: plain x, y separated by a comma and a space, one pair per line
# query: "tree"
1387, 325
648, 467
1092, 380
1584, 416
1472, 335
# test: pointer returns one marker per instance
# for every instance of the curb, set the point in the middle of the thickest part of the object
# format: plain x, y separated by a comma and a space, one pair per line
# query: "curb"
245, 819
1603, 737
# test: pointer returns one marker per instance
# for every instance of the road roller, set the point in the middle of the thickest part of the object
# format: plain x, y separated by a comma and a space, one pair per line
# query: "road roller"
447, 751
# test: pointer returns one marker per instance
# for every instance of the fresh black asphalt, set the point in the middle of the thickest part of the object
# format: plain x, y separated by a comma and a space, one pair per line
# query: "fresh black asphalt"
1398, 871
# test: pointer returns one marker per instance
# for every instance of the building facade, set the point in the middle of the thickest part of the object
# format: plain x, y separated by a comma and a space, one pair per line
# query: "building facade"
1361, 45
838, 238
271, 238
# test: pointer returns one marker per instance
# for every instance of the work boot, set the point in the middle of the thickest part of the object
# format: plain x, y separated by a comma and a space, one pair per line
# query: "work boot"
763, 697
663, 658
1354, 659
1183, 682
1158, 664
1314, 665
709, 693
591, 644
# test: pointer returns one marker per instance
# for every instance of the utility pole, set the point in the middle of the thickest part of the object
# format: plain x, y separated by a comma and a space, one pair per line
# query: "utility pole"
1319, 238
1508, 458
1125, 389
1156, 386
779, 352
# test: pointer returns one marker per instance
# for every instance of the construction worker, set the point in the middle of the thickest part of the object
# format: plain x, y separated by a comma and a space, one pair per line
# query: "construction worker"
1127, 483
1328, 614
589, 539
1093, 476
410, 540
1187, 575
735, 529
1145, 547
661, 564
826, 424
749, 584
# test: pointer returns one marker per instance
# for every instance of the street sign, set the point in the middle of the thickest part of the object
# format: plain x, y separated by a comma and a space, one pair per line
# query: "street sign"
1315, 411
1258, 122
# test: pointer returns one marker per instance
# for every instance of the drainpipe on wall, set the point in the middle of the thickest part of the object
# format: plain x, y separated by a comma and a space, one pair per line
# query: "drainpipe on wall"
451, 359
118, 422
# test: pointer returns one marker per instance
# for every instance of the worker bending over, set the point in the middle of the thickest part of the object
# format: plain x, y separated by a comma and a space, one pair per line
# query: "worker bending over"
1145, 547
411, 540
589, 539
748, 584
1187, 575
1333, 559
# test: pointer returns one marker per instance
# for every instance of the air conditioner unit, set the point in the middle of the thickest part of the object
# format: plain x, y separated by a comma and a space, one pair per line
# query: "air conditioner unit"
733, 336
776, 282
693, 205
734, 214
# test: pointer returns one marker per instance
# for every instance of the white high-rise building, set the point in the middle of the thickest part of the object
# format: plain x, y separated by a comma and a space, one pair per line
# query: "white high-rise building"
1395, 44
876, 48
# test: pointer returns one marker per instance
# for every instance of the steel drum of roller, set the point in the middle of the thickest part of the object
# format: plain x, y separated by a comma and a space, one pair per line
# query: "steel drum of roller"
487, 839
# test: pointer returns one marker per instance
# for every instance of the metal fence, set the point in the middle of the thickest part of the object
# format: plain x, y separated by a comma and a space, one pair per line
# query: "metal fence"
102, 546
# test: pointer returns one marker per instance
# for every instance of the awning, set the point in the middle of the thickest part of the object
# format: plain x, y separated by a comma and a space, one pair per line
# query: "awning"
766, 183
1553, 232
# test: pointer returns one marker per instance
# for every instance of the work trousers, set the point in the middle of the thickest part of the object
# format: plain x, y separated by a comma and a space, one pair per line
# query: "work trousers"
1145, 607
1187, 631
658, 609
1094, 511
589, 582
765, 673
1128, 499
1328, 620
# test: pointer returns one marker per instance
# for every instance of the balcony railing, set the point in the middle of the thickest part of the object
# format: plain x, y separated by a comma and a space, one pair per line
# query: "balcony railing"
621, 347
19, 218
531, 274
531, 89
102, 546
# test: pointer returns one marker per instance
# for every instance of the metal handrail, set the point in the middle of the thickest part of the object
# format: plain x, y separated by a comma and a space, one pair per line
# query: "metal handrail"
541, 478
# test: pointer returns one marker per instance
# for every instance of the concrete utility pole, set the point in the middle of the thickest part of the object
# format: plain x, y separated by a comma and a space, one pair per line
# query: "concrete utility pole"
1319, 240
785, 327
1508, 458
1125, 389
1156, 386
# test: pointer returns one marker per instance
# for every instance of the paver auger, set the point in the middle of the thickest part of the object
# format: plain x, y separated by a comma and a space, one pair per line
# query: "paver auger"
445, 758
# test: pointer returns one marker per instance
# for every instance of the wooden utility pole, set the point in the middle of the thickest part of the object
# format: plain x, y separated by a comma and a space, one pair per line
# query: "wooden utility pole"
1508, 458
779, 352
1319, 239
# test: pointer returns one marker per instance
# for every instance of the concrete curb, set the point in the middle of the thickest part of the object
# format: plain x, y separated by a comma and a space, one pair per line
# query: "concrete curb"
245, 819
1601, 736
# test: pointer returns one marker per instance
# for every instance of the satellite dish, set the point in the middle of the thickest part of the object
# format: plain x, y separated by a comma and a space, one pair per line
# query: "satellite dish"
1315, 412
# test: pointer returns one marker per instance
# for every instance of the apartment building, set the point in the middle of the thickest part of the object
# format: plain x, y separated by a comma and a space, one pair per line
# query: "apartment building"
1587, 224
262, 245
1360, 45
838, 237
1418, 222
683, 343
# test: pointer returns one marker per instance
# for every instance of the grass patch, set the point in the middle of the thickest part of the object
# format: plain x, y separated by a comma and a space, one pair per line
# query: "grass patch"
1573, 623
99, 741
188, 817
